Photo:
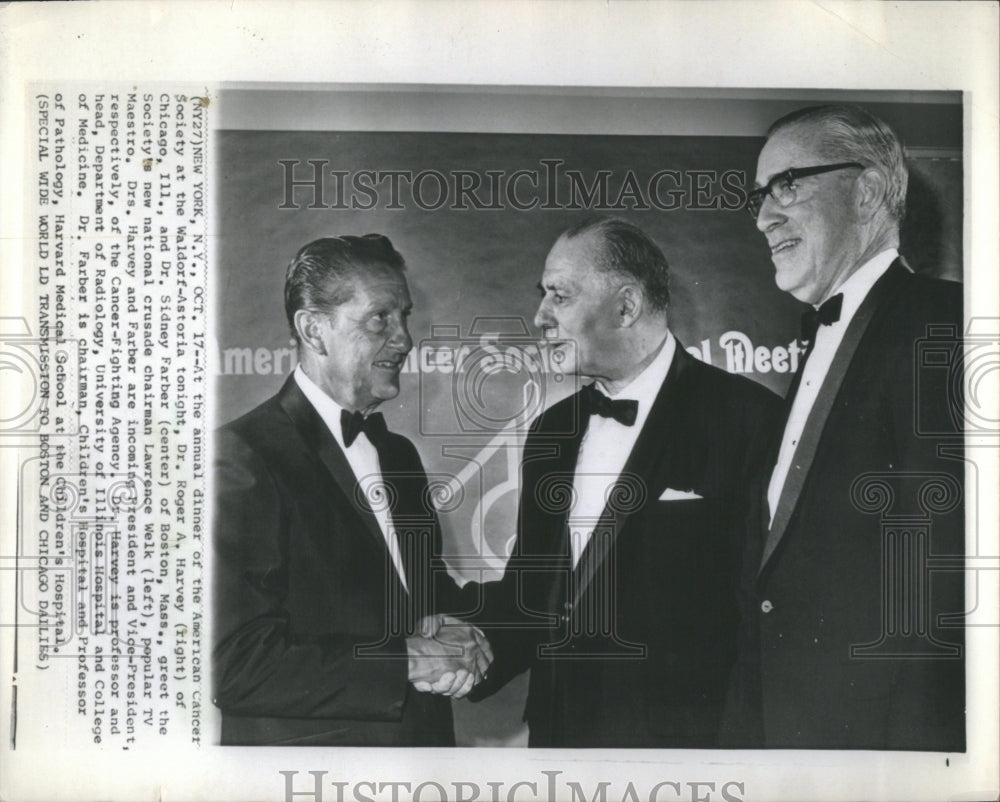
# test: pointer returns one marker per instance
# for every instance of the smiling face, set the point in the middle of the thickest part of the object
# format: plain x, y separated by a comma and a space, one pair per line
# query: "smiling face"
816, 242
365, 341
577, 313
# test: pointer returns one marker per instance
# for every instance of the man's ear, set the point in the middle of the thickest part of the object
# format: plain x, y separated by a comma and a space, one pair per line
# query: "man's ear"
872, 188
629, 302
309, 326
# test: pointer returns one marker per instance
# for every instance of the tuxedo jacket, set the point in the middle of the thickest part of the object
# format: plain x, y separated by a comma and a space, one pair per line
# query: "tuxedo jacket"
310, 615
632, 648
852, 599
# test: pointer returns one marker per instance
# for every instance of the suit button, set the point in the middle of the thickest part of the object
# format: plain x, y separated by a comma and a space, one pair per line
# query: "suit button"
766, 606
564, 619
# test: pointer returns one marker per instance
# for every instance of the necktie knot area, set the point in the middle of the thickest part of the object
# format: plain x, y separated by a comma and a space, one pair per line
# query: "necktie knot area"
353, 423
597, 403
828, 312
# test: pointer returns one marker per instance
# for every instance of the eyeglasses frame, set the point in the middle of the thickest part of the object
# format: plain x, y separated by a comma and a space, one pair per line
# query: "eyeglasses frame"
755, 198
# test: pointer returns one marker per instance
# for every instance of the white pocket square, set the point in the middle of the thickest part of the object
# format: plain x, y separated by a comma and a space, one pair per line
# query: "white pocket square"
678, 495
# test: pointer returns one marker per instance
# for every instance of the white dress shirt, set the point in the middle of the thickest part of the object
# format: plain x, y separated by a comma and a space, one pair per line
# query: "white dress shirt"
828, 339
606, 446
361, 456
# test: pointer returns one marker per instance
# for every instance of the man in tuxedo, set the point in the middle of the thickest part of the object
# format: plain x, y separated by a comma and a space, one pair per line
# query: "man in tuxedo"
329, 585
619, 595
852, 581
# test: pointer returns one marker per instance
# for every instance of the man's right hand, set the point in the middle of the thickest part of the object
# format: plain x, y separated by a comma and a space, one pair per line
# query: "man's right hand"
449, 657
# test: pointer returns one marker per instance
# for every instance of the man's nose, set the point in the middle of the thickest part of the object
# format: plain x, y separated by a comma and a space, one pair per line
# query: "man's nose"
769, 214
401, 339
543, 317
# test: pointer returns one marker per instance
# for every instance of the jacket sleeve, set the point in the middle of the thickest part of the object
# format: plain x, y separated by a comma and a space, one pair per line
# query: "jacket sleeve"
262, 667
514, 636
513, 645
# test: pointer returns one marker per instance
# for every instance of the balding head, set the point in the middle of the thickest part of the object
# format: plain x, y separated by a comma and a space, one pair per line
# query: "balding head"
621, 249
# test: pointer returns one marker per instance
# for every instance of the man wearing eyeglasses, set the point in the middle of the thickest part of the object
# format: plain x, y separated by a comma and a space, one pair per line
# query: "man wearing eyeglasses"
854, 558
329, 584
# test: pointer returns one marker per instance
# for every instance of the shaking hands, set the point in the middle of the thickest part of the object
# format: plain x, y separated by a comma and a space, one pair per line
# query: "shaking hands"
448, 657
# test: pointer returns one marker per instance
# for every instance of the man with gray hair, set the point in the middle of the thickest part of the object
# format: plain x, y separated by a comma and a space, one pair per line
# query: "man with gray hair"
850, 638
330, 590
620, 593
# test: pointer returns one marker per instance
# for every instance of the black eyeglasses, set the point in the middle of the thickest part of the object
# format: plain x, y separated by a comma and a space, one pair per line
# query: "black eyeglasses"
782, 187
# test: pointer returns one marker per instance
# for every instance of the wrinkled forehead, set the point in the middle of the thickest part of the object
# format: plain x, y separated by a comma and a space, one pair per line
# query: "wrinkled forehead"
793, 146
573, 258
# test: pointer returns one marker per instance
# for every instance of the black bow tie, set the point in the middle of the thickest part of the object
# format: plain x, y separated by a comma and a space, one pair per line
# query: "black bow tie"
353, 423
597, 403
828, 312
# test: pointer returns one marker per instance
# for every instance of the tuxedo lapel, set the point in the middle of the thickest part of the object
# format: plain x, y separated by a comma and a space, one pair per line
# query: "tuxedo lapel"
760, 483
318, 439
805, 452
646, 472
550, 462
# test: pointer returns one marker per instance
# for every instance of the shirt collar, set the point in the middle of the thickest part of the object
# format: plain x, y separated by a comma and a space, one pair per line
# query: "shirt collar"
859, 283
644, 387
328, 409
